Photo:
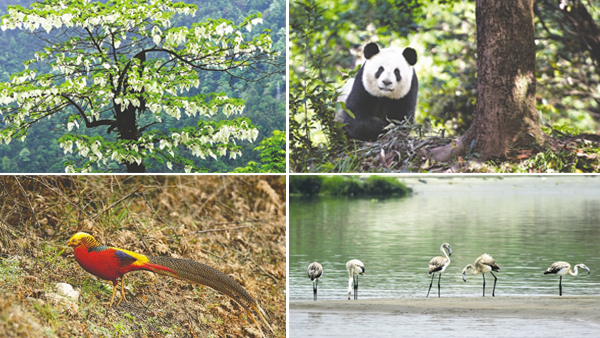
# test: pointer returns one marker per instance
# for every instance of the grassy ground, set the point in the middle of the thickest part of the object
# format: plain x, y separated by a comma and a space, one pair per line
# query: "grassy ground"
233, 223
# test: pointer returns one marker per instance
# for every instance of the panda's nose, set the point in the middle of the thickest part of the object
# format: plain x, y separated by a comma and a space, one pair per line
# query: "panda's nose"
387, 83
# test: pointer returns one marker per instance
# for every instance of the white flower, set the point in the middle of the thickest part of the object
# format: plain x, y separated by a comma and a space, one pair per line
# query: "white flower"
163, 143
156, 39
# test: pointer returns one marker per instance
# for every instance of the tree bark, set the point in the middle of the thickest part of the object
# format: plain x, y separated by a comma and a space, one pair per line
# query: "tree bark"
127, 125
505, 116
129, 130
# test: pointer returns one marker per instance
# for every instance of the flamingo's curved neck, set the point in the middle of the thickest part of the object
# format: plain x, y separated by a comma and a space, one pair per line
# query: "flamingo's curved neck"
444, 252
573, 273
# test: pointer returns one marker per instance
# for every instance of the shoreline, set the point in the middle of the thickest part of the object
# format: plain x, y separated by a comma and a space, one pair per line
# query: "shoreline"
586, 308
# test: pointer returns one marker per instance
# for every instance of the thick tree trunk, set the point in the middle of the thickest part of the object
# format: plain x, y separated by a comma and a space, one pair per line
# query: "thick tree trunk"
505, 115
127, 120
129, 130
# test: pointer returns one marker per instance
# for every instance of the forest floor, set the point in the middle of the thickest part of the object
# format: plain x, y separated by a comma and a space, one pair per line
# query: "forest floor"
405, 148
235, 224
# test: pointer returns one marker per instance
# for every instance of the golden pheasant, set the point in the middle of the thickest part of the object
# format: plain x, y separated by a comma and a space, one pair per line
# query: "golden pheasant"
112, 263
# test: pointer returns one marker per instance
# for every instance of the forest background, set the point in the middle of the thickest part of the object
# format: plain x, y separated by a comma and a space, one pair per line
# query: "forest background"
265, 106
325, 46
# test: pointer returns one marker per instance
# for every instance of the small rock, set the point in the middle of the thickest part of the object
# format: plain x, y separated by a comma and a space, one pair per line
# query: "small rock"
67, 290
63, 302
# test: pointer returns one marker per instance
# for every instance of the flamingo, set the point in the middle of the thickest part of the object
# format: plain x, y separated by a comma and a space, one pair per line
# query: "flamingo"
563, 268
315, 271
355, 268
484, 264
439, 264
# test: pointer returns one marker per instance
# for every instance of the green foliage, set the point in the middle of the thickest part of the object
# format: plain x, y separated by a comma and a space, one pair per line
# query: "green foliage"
272, 156
447, 67
347, 186
325, 45
341, 186
372, 186
325, 35
568, 69
566, 129
385, 186
312, 98
182, 96
549, 162
305, 185
10, 270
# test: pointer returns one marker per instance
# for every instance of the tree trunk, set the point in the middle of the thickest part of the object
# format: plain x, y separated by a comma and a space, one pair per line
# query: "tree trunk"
505, 116
128, 130
127, 119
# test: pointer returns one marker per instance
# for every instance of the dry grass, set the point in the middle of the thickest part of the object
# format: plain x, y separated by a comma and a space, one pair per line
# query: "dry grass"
405, 148
233, 223
400, 149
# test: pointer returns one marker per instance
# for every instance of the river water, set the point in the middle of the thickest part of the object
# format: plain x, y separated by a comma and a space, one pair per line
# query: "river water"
525, 222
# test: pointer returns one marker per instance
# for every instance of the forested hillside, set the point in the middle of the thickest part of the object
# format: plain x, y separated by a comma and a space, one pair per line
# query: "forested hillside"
264, 102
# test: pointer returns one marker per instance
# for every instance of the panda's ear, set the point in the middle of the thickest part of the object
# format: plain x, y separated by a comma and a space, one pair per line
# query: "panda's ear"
370, 50
410, 55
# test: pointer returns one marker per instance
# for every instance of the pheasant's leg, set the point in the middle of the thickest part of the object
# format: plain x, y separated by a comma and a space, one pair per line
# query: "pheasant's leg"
114, 292
122, 292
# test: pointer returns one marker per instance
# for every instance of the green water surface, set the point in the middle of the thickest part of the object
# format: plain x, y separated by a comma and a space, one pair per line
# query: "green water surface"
525, 222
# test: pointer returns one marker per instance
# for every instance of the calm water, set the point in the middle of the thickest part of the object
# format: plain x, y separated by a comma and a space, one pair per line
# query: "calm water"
525, 223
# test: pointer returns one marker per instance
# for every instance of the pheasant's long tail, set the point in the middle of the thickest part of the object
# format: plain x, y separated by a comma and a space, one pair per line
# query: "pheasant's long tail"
261, 314
196, 272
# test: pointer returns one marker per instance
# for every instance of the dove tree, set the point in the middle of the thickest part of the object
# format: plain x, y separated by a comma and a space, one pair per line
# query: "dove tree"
123, 66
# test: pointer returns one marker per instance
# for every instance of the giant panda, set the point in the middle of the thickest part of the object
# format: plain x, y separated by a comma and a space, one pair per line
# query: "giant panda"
385, 88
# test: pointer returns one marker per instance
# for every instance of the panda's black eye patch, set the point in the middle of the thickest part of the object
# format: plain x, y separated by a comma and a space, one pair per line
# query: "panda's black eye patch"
379, 71
397, 73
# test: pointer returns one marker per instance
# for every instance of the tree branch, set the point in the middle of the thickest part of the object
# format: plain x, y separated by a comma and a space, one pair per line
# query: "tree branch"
88, 124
